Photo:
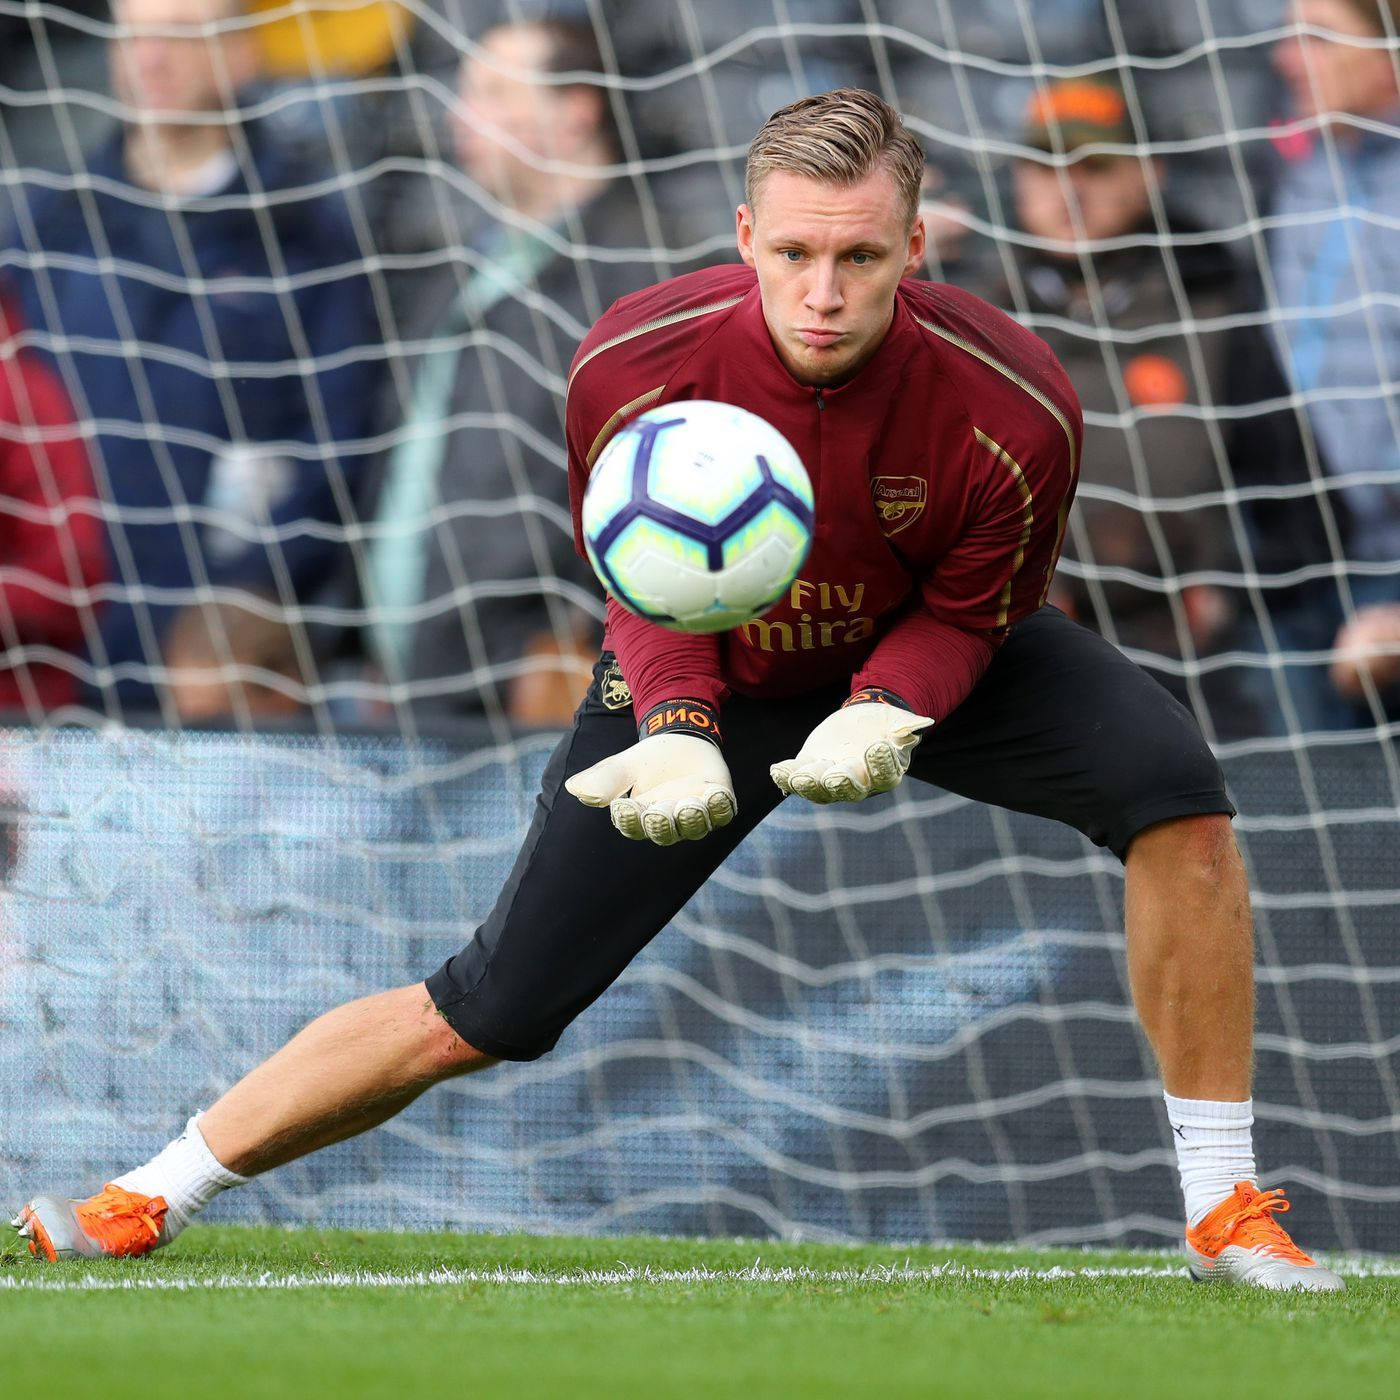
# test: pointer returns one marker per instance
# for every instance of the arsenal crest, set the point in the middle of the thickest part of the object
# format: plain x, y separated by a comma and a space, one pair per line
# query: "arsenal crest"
898, 500
614, 692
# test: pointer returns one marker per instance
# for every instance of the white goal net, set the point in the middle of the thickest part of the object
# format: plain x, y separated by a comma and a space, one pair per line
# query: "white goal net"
290, 616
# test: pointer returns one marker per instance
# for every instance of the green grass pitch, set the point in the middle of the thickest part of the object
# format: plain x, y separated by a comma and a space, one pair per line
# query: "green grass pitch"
244, 1312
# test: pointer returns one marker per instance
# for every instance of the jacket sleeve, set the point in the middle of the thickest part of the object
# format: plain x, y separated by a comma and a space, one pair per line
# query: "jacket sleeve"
997, 573
931, 665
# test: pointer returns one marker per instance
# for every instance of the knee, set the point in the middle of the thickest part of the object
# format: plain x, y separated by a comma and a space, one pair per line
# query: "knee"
445, 1054
455, 1056
1196, 847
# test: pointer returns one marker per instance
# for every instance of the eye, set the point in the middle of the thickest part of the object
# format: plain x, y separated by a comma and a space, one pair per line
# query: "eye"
862, 259
792, 255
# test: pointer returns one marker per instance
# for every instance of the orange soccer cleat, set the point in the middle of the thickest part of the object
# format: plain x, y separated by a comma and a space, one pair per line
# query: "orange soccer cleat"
114, 1223
1241, 1242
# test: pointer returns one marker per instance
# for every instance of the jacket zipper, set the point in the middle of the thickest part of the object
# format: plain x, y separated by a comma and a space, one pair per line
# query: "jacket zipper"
820, 482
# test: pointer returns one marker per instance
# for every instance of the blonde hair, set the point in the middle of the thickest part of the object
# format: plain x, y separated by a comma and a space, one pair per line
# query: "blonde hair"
840, 137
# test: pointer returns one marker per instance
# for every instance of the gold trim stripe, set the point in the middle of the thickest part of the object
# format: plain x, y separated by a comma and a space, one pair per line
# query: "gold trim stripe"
1049, 407
606, 431
659, 324
1054, 561
1027, 516
1016, 379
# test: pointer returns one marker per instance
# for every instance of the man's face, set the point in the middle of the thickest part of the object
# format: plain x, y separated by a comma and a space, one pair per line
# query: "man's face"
509, 110
165, 64
1336, 75
828, 258
1108, 193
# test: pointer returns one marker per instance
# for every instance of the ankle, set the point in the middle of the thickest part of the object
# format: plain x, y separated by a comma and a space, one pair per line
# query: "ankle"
1214, 1150
186, 1173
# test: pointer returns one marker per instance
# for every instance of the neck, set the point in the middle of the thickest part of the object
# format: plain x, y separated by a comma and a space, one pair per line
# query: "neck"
162, 157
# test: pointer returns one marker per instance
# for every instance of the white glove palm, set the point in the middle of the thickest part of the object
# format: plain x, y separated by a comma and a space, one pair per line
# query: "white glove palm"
859, 750
669, 788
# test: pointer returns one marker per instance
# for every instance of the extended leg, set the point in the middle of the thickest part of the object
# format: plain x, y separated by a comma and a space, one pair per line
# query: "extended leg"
346, 1072
578, 906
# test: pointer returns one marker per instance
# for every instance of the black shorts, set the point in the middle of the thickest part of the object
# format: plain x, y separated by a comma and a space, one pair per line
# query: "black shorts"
1062, 725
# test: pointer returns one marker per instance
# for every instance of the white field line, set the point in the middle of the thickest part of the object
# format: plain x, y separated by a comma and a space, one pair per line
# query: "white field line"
623, 1275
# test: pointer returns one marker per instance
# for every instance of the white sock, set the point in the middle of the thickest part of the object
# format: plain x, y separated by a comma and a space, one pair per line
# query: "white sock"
186, 1173
1214, 1149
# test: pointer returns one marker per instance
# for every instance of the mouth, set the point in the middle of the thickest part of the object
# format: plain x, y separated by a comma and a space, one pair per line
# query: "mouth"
820, 339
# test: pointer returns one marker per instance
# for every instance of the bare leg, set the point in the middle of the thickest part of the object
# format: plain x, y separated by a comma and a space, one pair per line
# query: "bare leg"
1191, 955
346, 1072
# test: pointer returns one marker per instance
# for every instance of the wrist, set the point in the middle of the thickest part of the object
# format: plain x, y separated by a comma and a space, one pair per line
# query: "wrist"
877, 695
694, 717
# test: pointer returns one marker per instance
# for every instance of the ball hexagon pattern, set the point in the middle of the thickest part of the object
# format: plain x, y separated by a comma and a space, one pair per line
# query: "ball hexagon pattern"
698, 515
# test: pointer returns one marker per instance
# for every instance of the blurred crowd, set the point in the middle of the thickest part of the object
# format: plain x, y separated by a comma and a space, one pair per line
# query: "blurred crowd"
288, 300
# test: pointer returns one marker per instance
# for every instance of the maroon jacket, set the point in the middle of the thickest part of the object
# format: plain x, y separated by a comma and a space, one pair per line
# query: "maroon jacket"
943, 475
51, 540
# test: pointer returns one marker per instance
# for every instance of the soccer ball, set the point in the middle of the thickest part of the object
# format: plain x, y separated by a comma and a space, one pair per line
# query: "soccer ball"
698, 516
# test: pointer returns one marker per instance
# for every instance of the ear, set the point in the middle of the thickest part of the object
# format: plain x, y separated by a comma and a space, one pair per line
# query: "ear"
917, 239
743, 233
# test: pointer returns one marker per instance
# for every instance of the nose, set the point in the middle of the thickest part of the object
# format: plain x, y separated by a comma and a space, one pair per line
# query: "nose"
824, 290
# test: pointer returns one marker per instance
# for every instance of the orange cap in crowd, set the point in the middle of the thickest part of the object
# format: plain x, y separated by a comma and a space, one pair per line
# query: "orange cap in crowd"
1077, 112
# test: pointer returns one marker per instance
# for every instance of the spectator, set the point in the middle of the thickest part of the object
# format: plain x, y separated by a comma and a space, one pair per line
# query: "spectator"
212, 313
1093, 280
50, 536
476, 597
1334, 255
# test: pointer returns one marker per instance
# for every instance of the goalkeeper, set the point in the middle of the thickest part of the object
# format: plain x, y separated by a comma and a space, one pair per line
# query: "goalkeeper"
943, 442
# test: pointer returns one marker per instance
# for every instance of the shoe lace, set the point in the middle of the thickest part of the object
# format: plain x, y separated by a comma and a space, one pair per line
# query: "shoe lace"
115, 1206
1252, 1226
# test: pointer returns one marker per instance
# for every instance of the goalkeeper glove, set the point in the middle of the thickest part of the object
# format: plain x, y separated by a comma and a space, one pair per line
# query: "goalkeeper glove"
864, 747
672, 785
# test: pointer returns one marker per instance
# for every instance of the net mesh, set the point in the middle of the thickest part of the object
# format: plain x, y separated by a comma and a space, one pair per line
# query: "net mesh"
315, 499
